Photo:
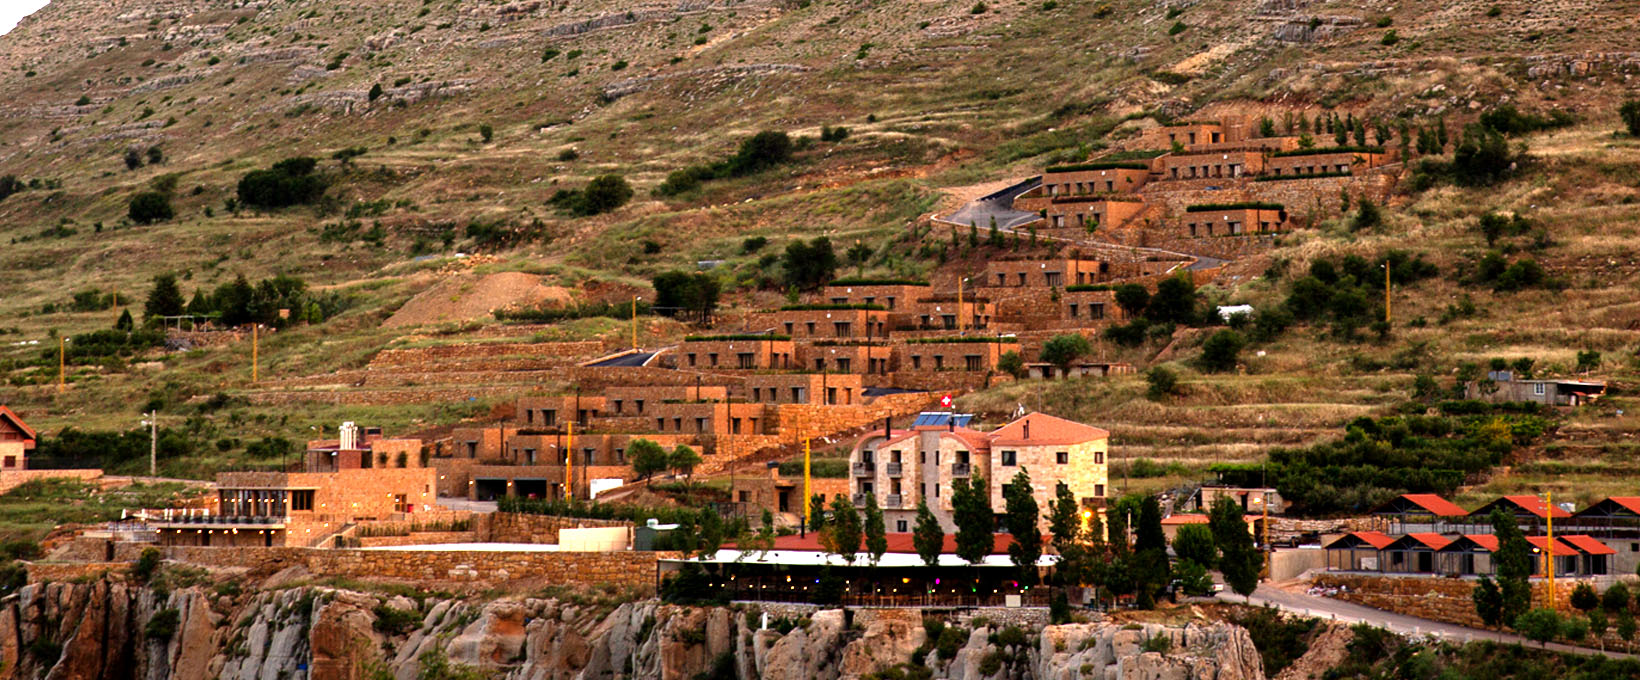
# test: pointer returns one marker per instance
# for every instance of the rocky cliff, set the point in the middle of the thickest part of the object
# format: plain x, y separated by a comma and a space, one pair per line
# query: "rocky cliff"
112, 629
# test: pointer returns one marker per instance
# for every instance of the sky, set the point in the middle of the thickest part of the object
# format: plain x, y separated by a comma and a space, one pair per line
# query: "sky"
12, 11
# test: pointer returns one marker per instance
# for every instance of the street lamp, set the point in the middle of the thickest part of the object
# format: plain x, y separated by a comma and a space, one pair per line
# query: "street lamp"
151, 421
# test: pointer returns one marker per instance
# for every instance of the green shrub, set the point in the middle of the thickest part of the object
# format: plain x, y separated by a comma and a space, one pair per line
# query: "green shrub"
163, 625
149, 207
289, 182
395, 621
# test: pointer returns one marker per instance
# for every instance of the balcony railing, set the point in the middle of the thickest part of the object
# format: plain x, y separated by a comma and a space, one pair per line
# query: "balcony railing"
864, 469
859, 500
893, 469
961, 470
893, 501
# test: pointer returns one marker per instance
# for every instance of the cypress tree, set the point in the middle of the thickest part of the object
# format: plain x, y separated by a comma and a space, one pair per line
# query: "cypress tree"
976, 524
927, 536
1021, 512
876, 530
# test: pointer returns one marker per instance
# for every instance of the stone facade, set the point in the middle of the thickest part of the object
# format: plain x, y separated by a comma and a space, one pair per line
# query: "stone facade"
514, 527
16, 439
828, 324
774, 353
1438, 599
846, 357
1322, 162
805, 388
302, 508
893, 297
557, 410
1233, 222
1043, 273
632, 400
1088, 213
1212, 165
952, 355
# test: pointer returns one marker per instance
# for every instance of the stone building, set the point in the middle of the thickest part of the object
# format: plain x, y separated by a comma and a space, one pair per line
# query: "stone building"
342, 483
636, 401
833, 322
1234, 219
1212, 164
16, 440
363, 448
735, 352
974, 354
1092, 212
846, 356
805, 388
890, 294
1044, 273
1325, 161
557, 410
905, 467
947, 312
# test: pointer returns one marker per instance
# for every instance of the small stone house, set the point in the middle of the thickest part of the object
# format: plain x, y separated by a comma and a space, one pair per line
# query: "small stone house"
16, 440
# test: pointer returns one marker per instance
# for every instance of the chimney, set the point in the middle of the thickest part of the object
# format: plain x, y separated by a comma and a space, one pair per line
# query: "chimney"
349, 436
888, 427
1027, 428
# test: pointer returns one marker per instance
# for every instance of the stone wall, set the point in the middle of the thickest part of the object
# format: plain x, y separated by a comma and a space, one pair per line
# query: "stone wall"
514, 527
568, 352
11, 479
795, 421
70, 571
1437, 599
418, 538
626, 568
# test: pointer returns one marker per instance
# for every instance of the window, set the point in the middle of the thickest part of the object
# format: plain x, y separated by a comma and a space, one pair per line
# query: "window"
691, 358
868, 456
810, 327
401, 503
734, 426
1073, 310
1096, 310
890, 302
301, 499
472, 449
757, 394
617, 407
11, 461
916, 362
677, 424
1098, 457
745, 496
711, 358
971, 362
1054, 279
843, 329
1010, 458
939, 362
831, 395
746, 360
1538, 389
1099, 491
529, 416
1062, 457
639, 402
789, 326
899, 526
620, 456
529, 456
660, 424
865, 487
842, 364
700, 424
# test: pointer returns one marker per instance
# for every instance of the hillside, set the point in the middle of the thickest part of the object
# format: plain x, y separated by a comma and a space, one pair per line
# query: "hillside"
943, 100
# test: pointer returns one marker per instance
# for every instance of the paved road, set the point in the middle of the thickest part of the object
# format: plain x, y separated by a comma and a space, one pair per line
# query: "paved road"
633, 359
1336, 610
999, 205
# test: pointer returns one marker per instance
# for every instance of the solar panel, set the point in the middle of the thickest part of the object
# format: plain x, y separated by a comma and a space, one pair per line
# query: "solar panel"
941, 419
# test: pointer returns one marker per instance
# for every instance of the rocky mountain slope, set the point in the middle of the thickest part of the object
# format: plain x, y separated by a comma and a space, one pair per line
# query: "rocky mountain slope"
110, 629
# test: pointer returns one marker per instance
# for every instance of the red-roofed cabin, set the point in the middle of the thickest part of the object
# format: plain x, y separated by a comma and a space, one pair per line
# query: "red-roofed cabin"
1616, 521
1357, 551
16, 440
1413, 553
1420, 512
1471, 555
1595, 557
1529, 511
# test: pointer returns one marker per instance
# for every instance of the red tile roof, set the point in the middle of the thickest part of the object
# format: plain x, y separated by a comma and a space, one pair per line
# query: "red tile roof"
1489, 542
1431, 541
1630, 503
1173, 520
1440, 507
1588, 544
28, 432
1045, 430
1376, 539
897, 543
1534, 505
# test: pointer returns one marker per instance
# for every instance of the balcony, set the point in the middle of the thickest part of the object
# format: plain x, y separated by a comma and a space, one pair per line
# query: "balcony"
961, 470
864, 469
859, 500
893, 501
893, 469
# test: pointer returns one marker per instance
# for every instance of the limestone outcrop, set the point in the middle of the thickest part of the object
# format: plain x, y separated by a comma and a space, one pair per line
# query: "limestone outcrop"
114, 628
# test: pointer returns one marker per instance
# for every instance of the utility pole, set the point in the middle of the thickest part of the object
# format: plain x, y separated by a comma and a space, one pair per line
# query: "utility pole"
962, 324
1549, 514
807, 505
1386, 292
62, 364
569, 463
254, 342
634, 322
153, 442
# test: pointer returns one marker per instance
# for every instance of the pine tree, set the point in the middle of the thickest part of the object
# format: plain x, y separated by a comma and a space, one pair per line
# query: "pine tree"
876, 530
976, 524
1065, 526
927, 536
817, 513
1513, 564
1239, 560
124, 323
844, 529
1440, 135
1020, 510
1150, 566
165, 299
